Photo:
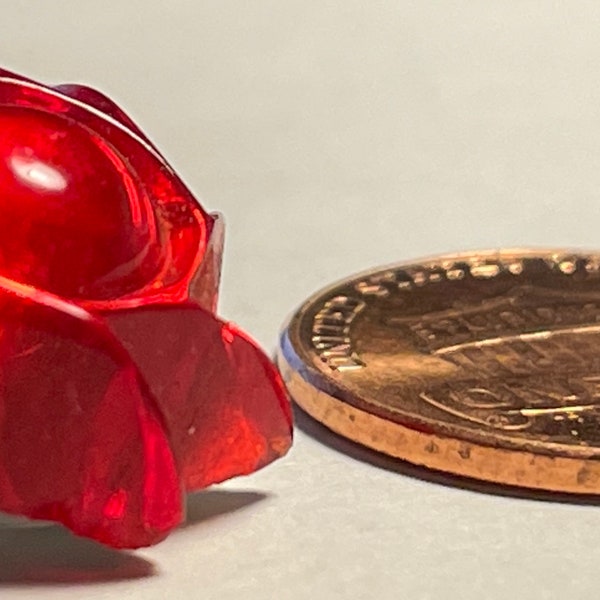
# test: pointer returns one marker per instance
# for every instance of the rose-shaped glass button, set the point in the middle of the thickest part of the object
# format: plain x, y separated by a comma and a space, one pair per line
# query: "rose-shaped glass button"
120, 389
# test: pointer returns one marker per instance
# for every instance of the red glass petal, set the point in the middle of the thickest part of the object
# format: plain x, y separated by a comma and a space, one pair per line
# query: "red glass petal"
98, 100
88, 209
82, 443
225, 405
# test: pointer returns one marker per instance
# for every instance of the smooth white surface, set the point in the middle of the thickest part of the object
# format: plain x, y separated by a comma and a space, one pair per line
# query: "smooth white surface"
336, 136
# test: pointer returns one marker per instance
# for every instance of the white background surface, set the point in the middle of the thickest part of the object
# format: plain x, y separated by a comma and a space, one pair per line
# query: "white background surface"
335, 136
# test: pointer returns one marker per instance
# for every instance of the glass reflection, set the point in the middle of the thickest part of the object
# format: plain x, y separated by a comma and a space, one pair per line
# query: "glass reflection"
36, 174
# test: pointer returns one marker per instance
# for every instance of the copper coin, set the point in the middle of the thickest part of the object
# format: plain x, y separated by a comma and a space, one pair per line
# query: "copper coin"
485, 365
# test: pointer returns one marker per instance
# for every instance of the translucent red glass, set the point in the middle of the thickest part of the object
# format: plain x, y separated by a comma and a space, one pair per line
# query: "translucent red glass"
120, 389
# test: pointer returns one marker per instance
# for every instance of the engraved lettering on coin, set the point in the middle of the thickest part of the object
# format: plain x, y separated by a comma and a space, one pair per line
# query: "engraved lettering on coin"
331, 333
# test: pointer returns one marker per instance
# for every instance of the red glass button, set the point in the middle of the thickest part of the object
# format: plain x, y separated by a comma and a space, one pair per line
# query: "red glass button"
120, 387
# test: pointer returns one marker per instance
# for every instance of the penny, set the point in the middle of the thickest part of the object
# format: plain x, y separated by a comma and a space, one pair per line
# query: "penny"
485, 365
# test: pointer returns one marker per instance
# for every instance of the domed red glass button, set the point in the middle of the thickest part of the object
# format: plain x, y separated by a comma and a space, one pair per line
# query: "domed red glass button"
120, 388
